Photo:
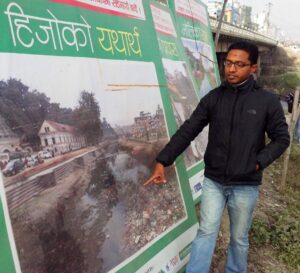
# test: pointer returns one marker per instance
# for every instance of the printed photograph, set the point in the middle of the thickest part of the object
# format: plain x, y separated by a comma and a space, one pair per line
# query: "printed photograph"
78, 138
202, 63
184, 101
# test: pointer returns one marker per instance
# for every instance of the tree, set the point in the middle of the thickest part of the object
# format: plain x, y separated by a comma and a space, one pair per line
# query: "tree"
87, 118
24, 111
13, 106
60, 115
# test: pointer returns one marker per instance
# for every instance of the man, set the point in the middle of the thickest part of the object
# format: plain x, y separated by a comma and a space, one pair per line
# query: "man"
239, 113
289, 98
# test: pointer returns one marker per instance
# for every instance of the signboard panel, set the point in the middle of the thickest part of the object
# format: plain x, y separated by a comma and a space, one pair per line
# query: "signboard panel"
194, 31
183, 88
85, 108
90, 93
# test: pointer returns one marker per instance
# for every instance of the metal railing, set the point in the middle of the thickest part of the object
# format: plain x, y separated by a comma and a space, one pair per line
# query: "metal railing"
237, 31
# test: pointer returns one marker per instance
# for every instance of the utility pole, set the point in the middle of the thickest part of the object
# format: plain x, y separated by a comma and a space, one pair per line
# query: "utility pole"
267, 19
220, 23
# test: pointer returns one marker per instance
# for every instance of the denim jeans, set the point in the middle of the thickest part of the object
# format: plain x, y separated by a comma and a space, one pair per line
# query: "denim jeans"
240, 202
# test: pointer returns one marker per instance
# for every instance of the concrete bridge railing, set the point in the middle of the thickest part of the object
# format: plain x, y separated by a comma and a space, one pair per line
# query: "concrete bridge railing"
236, 31
20, 192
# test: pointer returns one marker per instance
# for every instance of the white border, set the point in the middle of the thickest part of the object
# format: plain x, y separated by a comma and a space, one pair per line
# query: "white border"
9, 227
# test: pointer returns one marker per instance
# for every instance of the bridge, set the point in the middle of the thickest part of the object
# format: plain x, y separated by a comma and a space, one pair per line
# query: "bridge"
230, 33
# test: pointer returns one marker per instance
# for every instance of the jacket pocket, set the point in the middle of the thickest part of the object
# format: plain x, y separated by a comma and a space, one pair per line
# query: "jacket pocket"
247, 171
214, 161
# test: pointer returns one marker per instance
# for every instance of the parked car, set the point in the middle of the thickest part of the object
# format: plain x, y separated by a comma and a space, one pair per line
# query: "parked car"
39, 159
13, 167
32, 161
4, 157
45, 154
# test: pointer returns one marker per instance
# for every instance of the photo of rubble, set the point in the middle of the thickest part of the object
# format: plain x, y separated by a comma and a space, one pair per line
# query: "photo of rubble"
184, 102
78, 138
201, 60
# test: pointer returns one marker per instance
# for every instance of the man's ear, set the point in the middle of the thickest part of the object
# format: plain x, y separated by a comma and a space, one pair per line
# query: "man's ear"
253, 68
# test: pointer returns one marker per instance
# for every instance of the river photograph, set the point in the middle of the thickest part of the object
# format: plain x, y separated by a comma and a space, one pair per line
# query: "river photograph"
82, 207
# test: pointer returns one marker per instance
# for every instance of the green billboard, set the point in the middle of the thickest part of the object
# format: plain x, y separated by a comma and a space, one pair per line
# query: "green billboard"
90, 92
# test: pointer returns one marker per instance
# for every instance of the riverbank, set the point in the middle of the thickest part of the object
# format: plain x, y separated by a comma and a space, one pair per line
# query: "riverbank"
280, 71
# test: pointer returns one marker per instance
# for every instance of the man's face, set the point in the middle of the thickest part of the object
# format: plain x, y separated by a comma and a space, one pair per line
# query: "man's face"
238, 67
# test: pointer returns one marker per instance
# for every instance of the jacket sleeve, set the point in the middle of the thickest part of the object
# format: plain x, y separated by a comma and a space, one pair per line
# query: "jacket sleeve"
277, 131
186, 133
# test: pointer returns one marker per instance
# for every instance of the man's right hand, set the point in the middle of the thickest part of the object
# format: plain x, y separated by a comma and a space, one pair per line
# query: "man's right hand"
158, 175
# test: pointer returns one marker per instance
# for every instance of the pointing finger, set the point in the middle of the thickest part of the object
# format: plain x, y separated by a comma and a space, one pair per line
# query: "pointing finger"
149, 181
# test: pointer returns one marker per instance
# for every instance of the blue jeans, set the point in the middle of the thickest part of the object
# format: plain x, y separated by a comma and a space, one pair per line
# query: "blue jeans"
240, 201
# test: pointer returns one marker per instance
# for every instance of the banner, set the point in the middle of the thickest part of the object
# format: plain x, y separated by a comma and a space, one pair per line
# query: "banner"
181, 64
192, 22
83, 116
90, 93
195, 33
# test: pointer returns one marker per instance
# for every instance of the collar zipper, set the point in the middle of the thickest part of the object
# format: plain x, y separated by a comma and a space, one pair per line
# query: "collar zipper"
230, 131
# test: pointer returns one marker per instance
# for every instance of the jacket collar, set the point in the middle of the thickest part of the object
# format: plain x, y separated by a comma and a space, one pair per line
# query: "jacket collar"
248, 85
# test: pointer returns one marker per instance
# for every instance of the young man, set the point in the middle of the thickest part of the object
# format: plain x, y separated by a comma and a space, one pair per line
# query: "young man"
239, 113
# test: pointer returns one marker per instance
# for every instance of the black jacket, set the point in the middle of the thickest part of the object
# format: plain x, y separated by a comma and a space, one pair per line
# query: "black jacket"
238, 118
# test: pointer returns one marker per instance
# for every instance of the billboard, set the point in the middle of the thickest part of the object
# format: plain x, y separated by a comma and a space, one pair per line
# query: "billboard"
88, 98
192, 22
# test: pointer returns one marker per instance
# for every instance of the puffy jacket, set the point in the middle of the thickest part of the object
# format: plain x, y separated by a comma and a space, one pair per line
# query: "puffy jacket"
238, 118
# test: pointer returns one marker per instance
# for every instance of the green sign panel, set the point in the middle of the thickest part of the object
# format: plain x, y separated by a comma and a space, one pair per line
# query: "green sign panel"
90, 92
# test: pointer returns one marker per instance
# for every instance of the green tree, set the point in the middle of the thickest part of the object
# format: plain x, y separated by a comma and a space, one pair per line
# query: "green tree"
13, 106
87, 118
61, 115
24, 111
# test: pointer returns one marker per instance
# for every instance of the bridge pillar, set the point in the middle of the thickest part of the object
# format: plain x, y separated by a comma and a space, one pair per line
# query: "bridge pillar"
221, 56
258, 71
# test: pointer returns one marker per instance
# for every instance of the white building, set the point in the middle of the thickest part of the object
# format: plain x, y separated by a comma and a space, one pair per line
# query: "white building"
60, 138
214, 8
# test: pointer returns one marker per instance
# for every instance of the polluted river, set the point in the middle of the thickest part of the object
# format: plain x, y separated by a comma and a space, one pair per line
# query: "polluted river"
99, 216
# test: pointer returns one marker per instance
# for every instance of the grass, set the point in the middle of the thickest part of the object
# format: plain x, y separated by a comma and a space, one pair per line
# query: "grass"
282, 83
281, 231
281, 228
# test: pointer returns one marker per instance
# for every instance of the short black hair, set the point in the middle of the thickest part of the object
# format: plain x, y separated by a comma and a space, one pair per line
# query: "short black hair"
250, 48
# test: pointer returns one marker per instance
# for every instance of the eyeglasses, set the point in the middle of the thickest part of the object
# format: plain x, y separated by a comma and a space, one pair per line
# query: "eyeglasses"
236, 65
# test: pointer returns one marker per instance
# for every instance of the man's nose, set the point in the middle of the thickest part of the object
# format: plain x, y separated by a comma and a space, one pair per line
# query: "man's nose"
232, 68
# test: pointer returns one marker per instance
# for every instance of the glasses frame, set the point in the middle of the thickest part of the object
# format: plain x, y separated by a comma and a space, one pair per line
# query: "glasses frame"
237, 64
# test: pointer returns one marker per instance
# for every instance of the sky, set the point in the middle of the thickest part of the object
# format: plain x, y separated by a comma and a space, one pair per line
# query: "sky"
284, 14
120, 91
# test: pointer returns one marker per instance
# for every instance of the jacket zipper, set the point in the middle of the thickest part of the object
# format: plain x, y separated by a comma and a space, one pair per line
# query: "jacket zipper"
230, 131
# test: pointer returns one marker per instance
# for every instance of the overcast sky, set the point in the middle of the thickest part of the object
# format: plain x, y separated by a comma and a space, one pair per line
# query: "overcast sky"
284, 14
122, 88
